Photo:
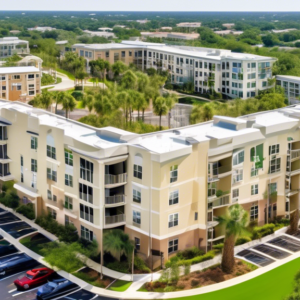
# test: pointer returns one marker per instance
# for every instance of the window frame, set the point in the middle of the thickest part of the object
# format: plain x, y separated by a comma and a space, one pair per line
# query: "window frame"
69, 180
173, 171
51, 152
173, 195
254, 211
136, 217
34, 167
68, 204
254, 189
173, 220
173, 245
33, 142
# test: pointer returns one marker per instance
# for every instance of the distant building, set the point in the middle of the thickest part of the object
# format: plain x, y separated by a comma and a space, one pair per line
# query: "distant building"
105, 29
62, 47
100, 33
171, 35
15, 31
142, 21
20, 83
41, 29
12, 45
291, 85
228, 25
283, 30
166, 28
189, 25
120, 26
228, 31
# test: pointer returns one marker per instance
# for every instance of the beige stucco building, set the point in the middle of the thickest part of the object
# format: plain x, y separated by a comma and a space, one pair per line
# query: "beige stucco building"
164, 188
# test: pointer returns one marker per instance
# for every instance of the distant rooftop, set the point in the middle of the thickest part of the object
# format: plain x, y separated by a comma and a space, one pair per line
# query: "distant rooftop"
17, 70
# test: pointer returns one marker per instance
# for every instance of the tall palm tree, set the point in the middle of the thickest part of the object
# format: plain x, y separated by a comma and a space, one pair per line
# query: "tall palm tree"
113, 243
235, 222
43, 100
57, 97
88, 101
68, 103
160, 108
207, 112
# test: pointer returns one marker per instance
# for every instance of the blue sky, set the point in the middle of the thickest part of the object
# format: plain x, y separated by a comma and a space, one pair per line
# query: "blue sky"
152, 5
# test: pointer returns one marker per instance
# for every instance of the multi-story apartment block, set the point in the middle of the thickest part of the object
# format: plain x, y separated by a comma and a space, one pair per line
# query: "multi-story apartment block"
12, 45
164, 188
232, 74
291, 85
20, 83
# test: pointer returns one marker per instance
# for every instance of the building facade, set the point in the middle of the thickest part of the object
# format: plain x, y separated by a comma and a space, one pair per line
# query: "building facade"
291, 85
232, 74
164, 188
20, 83
12, 45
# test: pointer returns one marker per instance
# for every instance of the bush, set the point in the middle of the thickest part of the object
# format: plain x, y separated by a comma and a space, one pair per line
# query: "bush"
118, 266
174, 272
140, 265
218, 247
169, 288
189, 253
259, 232
27, 211
242, 240
10, 199
47, 79
168, 86
194, 283
187, 269
77, 95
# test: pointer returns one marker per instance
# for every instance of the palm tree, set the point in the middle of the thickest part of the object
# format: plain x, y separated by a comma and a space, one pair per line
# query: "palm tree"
57, 98
43, 100
118, 67
294, 222
207, 112
235, 223
68, 103
129, 80
160, 108
113, 243
88, 101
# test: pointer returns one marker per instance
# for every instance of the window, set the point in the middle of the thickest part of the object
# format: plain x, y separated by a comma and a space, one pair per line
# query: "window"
211, 189
275, 165
69, 180
173, 173
86, 234
256, 155
2, 77
173, 220
33, 165
30, 76
173, 246
235, 193
136, 192
138, 166
86, 170
31, 93
173, 197
86, 213
137, 243
3, 133
254, 212
68, 203
136, 217
123, 53
34, 142
274, 149
107, 54
54, 198
51, 152
3, 88
51, 174
196, 216
16, 77
86, 193
273, 188
130, 53
237, 176
238, 157
52, 212
264, 83
68, 221
254, 189
68, 157
49, 195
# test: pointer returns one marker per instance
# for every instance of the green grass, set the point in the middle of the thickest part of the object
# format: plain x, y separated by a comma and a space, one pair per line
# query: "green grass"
35, 246
70, 75
273, 285
120, 286
89, 279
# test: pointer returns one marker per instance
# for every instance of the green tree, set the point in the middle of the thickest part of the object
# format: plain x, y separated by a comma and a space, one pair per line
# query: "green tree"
160, 108
118, 68
68, 103
43, 100
235, 222
129, 80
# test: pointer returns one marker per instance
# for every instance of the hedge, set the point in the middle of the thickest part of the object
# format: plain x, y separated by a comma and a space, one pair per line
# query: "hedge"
259, 232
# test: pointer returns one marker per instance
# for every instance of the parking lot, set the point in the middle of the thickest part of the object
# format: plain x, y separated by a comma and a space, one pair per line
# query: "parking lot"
17, 228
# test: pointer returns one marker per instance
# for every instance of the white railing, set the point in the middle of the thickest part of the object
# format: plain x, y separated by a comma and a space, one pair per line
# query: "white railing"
295, 154
114, 219
114, 179
115, 199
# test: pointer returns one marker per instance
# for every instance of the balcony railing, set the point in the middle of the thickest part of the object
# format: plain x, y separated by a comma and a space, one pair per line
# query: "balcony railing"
114, 219
115, 199
219, 202
219, 171
115, 179
294, 153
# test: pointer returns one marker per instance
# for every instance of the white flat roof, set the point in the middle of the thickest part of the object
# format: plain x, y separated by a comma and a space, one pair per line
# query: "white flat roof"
288, 77
14, 70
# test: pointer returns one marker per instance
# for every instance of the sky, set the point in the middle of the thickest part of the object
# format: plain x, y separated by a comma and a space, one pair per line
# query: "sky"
152, 5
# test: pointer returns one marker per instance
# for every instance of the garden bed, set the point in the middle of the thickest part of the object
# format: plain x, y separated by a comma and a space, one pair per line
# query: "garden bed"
35, 242
198, 279
120, 286
92, 277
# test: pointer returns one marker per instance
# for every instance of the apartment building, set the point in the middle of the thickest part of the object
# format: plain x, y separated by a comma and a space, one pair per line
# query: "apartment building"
12, 45
291, 86
20, 83
189, 24
232, 74
164, 188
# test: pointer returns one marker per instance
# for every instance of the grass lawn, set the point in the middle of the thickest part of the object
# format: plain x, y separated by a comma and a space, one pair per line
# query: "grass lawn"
36, 245
92, 277
273, 285
120, 286
70, 75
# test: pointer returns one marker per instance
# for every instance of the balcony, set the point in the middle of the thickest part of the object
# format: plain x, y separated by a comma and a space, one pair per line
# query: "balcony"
221, 201
115, 180
219, 173
294, 154
115, 200
116, 220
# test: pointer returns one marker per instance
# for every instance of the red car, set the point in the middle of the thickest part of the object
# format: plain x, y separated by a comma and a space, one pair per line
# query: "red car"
33, 278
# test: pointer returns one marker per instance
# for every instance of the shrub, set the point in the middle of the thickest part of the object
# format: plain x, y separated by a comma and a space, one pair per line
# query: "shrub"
27, 211
174, 272
199, 259
242, 240
194, 283
140, 265
77, 95
168, 86
259, 232
47, 79
169, 288
187, 268
118, 266
189, 253
10, 199
218, 247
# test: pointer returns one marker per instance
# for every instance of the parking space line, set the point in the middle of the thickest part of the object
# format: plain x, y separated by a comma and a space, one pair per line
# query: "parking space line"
11, 291
17, 294
11, 276
59, 297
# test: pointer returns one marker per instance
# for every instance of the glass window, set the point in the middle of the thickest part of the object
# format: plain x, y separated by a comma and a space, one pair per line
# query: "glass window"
273, 188
52, 212
173, 220
173, 173
274, 149
86, 170
138, 171
34, 142
254, 212
136, 217
51, 152
237, 175
275, 165
33, 165
86, 234
238, 157
68, 203
54, 198
254, 189
86, 193
87, 213
137, 243
136, 192
173, 197
49, 195
69, 180
68, 157
211, 189
173, 246
235, 193
51, 174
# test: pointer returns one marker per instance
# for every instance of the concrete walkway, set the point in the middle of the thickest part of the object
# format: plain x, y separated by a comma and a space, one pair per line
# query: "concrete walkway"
185, 95
139, 280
